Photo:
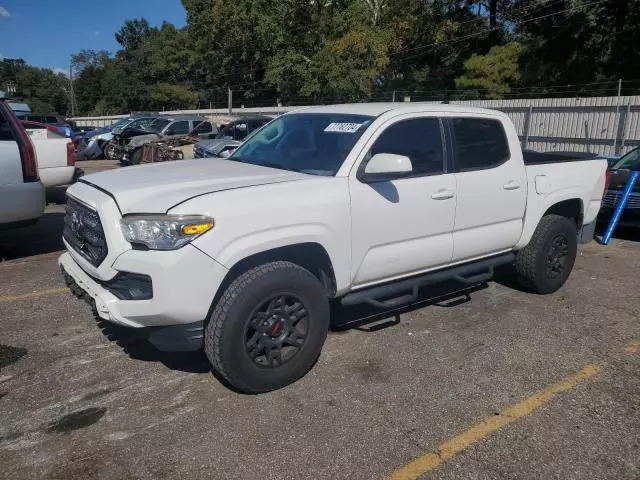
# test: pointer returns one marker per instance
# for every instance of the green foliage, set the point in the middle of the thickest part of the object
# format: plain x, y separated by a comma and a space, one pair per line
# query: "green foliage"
301, 52
494, 72
41, 88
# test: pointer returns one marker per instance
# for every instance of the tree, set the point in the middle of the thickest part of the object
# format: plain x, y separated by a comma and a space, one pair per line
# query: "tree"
494, 72
132, 33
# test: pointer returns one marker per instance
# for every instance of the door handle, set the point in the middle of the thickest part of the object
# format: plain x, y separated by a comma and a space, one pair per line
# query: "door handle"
442, 195
512, 185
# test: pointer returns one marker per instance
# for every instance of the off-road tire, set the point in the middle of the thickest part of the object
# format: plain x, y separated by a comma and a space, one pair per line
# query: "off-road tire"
533, 269
226, 329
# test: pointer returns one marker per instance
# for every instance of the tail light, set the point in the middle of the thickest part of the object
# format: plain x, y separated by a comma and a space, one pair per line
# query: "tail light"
27, 152
29, 161
607, 179
71, 154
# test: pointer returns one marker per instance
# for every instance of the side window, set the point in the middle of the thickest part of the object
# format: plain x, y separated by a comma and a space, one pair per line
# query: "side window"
204, 127
5, 131
140, 123
479, 143
240, 131
51, 120
179, 128
419, 139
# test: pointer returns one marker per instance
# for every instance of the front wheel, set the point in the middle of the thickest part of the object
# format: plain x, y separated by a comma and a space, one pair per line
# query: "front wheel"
544, 265
111, 151
268, 328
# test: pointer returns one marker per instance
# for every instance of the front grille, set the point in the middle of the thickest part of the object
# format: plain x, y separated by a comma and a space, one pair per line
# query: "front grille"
83, 232
613, 197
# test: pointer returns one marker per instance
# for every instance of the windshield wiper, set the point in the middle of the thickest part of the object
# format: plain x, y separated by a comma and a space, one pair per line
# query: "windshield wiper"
278, 166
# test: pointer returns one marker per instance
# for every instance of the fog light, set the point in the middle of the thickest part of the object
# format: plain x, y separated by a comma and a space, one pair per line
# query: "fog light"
130, 286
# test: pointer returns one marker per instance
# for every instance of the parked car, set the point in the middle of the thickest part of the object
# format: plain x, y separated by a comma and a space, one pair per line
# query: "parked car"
55, 152
55, 120
620, 172
95, 143
22, 195
166, 128
361, 203
229, 137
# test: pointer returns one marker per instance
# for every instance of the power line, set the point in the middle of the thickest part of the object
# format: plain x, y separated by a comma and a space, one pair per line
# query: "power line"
482, 32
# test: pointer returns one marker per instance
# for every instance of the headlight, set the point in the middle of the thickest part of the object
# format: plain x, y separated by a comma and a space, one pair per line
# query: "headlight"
164, 232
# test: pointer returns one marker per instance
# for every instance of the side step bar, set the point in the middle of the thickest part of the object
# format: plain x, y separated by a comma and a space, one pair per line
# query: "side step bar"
405, 292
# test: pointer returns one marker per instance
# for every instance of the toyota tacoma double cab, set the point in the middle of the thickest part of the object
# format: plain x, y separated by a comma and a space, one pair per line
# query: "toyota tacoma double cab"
364, 203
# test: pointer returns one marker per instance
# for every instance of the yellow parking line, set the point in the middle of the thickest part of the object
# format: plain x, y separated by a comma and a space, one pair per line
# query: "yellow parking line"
450, 448
632, 347
41, 293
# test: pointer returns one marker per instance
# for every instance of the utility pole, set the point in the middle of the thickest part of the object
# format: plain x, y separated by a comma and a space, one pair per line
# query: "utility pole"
72, 93
230, 101
615, 132
619, 88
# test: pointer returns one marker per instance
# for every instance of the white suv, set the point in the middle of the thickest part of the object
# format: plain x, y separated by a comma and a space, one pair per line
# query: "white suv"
22, 196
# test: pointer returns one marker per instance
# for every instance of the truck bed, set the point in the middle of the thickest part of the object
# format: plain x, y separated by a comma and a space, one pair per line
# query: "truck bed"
532, 157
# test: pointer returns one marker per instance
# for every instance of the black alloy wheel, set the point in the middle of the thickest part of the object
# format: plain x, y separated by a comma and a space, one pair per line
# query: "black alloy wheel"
277, 330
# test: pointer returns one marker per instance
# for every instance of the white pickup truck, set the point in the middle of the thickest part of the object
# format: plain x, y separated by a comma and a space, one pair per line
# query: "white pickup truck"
55, 153
364, 203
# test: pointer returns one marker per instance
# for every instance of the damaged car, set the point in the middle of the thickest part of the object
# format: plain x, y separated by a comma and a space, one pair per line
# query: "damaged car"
96, 143
230, 137
165, 129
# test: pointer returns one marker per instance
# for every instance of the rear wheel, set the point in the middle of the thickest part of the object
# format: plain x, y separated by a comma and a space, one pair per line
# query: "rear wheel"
544, 265
268, 327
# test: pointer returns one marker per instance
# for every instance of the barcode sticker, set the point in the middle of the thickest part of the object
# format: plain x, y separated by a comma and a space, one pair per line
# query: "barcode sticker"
343, 127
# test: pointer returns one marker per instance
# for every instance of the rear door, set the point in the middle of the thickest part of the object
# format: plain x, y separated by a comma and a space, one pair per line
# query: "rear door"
177, 128
491, 186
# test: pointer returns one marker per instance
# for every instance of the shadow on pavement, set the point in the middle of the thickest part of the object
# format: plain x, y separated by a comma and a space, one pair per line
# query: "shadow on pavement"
134, 344
364, 318
43, 237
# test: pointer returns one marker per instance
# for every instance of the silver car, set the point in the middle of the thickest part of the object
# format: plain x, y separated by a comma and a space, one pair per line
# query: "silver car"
230, 137
167, 128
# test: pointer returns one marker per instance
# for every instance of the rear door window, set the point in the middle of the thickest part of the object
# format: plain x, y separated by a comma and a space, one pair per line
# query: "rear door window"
6, 134
479, 143
180, 128
204, 127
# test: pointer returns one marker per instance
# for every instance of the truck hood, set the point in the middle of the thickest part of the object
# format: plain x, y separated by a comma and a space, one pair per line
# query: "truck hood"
156, 188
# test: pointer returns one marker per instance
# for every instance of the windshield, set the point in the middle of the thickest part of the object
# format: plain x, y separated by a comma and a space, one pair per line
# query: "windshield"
315, 143
158, 124
120, 123
631, 161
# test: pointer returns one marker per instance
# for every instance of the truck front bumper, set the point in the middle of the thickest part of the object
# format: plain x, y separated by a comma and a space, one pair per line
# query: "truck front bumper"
183, 284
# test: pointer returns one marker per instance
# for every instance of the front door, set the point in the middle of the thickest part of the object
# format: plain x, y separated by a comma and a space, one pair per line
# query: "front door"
404, 226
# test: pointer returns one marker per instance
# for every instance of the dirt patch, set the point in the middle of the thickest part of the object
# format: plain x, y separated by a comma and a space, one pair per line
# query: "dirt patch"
9, 355
77, 420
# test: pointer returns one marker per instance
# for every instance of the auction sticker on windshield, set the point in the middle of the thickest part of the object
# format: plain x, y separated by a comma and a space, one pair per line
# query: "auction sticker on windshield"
343, 127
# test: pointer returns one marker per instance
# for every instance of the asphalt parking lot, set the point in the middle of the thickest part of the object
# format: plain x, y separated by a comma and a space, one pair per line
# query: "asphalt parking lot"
491, 383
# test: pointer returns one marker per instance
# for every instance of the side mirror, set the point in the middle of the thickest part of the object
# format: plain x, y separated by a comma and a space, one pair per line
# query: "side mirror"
386, 166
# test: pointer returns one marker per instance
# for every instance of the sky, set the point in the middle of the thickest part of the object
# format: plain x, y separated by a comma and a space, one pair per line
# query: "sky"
46, 32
